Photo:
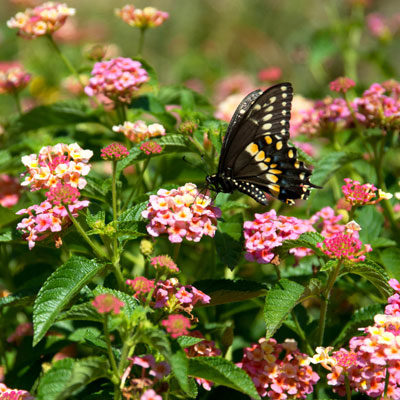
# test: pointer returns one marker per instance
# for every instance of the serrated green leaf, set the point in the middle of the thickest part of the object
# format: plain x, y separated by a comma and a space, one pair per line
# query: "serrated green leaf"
59, 289
229, 241
92, 219
187, 341
81, 312
391, 260
84, 371
373, 273
224, 291
172, 94
361, 318
130, 302
279, 302
222, 372
157, 339
229, 205
307, 239
23, 298
56, 114
54, 380
180, 366
329, 164
134, 213
331, 264
371, 222
380, 242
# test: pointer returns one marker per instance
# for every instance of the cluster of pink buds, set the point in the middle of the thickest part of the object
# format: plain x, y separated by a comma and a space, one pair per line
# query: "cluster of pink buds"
66, 163
42, 20
114, 152
176, 325
138, 131
373, 359
279, 371
149, 17
165, 264
151, 373
14, 394
181, 213
360, 195
107, 303
205, 348
116, 80
151, 147
345, 245
342, 84
13, 77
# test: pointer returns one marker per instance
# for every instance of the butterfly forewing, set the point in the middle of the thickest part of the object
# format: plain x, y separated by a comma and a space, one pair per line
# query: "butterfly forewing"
256, 157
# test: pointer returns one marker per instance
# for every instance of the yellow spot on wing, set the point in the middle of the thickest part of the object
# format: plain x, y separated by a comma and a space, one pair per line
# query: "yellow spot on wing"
279, 145
275, 171
297, 164
252, 148
260, 156
272, 178
275, 189
263, 166
290, 153
268, 139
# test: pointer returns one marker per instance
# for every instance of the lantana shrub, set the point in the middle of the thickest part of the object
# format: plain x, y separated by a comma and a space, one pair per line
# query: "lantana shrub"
123, 276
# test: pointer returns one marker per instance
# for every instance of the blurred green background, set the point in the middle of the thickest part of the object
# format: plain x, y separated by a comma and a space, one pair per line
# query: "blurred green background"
312, 42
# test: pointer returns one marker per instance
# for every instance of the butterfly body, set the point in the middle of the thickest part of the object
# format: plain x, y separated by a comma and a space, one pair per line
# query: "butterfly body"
255, 157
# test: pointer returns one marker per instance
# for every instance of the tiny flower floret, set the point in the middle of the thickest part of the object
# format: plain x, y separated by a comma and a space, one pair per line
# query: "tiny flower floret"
114, 152
42, 20
181, 213
116, 80
149, 17
342, 84
165, 263
62, 194
107, 303
14, 394
138, 131
359, 195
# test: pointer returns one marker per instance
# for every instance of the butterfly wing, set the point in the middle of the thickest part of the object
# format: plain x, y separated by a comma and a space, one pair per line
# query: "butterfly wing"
257, 156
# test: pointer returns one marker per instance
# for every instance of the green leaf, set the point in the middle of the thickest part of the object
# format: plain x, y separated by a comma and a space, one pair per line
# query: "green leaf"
187, 341
222, 372
223, 291
134, 214
331, 264
279, 302
84, 371
229, 241
54, 380
175, 94
307, 239
371, 222
153, 81
81, 312
329, 164
373, 273
180, 366
59, 289
23, 298
361, 318
157, 339
391, 260
233, 204
56, 114
93, 219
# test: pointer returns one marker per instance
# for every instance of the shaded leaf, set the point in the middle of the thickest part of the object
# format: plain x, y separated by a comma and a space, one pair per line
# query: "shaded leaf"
307, 239
187, 341
391, 260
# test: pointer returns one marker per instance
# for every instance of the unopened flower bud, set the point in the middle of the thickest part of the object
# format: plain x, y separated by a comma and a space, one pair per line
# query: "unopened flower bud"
146, 247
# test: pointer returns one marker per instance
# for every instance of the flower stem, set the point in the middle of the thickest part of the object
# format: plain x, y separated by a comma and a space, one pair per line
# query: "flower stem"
325, 301
141, 42
67, 63
17, 102
96, 249
347, 384
111, 357
387, 376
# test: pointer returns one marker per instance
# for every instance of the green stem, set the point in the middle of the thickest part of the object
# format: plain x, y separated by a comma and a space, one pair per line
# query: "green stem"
347, 384
325, 301
387, 376
177, 247
116, 375
96, 249
17, 102
67, 63
141, 42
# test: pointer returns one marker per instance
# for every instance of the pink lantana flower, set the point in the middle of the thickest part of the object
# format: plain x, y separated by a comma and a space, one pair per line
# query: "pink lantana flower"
114, 152
149, 17
342, 84
176, 325
13, 77
151, 147
107, 303
138, 131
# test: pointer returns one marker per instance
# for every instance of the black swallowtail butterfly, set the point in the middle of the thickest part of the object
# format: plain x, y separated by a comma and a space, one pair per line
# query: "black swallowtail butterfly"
255, 156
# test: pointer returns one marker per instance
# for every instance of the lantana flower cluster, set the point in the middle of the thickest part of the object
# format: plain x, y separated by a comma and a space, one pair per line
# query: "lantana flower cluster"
114, 152
116, 80
107, 303
168, 294
379, 106
143, 382
138, 131
151, 147
14, 394
279, 371
359, 195
60, 170
270, 230
181, 213
149, 17
372, 356
13, 78
42, 20
65, 163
